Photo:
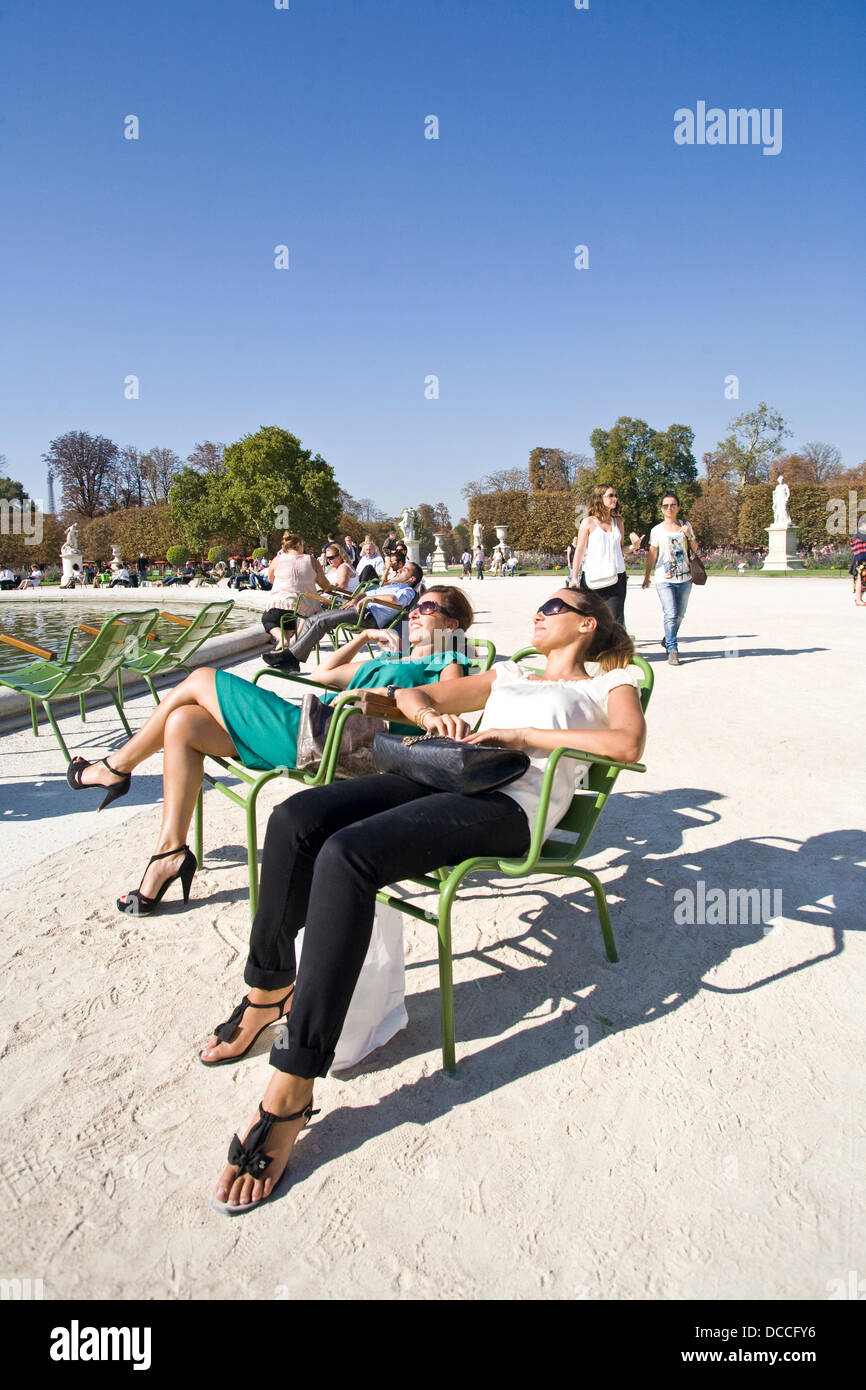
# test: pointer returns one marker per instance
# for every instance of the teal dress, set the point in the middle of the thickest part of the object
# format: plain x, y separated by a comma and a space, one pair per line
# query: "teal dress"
264, 727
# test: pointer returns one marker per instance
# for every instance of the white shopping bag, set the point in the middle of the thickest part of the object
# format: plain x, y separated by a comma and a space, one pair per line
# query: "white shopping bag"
378, 1008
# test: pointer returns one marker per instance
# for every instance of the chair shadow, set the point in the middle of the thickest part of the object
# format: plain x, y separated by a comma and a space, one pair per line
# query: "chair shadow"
565, 963
44, 798
728, 654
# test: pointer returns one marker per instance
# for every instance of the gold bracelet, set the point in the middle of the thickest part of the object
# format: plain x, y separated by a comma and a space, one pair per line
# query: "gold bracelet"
419, 718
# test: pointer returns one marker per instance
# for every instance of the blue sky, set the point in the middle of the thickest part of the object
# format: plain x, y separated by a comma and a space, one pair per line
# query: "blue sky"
411, 257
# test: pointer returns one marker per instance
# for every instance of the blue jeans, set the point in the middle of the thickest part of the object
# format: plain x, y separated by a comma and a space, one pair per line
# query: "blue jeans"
674, 600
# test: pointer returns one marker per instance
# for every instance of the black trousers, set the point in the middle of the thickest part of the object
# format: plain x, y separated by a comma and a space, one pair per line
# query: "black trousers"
613, 595
327, 852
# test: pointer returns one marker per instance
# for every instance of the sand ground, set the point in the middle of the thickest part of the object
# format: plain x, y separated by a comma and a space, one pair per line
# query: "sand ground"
685, 1124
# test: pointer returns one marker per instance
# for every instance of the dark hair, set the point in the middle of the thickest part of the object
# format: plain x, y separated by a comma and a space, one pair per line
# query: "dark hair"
454, 602
611, 645
668, 492
419, 573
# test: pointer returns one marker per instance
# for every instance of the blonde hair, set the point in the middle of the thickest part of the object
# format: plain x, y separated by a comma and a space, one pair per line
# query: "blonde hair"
291, 541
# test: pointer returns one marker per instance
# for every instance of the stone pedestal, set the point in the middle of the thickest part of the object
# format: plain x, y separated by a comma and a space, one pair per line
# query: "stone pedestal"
413, 551
439, 565
782, 553
68, 558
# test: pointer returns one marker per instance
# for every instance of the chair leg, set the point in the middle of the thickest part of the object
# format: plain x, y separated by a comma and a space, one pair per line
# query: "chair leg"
120, 710
81, 709
198, 827
603, 914
446, 984
34, 716
252, 853
57, 734
119, 701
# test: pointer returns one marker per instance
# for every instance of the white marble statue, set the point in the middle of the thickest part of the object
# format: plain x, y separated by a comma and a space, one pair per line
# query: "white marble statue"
477, 533
70, 545
781, 493
407, 524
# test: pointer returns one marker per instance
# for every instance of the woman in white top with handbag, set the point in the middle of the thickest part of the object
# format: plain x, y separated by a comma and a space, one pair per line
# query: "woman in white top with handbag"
671, 546
599, 563
328, 850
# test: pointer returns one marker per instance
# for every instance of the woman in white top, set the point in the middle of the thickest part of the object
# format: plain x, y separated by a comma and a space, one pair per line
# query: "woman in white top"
599, 564
291, 573
33, 580
329, 849
671, 546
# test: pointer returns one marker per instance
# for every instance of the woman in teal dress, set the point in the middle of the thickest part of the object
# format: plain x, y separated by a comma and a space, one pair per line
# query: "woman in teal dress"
213, 713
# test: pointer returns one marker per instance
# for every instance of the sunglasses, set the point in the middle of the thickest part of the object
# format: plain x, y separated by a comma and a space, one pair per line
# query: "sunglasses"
427, 609
667, 506
558, 605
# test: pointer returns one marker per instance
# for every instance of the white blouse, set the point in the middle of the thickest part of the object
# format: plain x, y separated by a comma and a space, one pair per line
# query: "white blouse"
517, 702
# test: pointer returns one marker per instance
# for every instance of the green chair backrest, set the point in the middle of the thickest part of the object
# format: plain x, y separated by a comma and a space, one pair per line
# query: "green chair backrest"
582, 815
121, 638
205, 623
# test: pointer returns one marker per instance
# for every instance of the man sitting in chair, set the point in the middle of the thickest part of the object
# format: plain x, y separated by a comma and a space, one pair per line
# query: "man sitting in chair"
380, 606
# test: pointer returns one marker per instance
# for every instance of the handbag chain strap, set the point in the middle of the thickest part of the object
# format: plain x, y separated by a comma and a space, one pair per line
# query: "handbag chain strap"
409, 739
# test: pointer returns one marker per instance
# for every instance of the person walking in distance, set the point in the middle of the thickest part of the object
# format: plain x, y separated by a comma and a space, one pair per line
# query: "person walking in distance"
599, 563
479, 559
671, 545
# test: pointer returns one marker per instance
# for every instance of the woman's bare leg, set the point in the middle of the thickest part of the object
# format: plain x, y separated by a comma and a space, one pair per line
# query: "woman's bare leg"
285, 1095
189, 734
198, 689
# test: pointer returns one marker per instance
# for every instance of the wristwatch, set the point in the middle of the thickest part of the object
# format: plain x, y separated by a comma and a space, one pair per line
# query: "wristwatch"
390, 691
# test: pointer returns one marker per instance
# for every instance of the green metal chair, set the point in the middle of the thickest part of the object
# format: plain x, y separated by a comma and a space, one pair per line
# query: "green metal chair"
159, 661
118, 641
255, 779
544, 856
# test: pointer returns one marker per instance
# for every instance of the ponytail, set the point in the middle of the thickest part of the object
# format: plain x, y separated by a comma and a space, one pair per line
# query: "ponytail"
611, 645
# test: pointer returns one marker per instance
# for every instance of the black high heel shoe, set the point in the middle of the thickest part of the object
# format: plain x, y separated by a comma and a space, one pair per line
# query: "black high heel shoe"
249, 1155
79, 765
223, 1031
138, 905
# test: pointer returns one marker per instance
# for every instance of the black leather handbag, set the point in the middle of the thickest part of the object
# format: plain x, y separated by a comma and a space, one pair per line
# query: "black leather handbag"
446, 765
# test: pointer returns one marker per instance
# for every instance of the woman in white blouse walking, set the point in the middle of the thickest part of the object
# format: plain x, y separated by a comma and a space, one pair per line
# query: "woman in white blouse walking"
598, 562
329, 849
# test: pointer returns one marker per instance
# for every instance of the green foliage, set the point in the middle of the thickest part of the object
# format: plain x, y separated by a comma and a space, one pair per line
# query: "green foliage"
260, 553
642, 463
551, 522
218, 554
177, 555
548, 471
198, 505
756, 514
808, 508
273, 484
508, 507
753, 443
10, 491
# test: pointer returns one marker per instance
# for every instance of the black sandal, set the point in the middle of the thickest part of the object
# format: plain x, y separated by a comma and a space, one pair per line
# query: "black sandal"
249, 1155
79, 765
136, 904
223, 1031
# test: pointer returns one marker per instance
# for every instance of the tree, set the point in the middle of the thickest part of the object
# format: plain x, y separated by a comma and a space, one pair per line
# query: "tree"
548, 471
148, 530
823, 461
198, 504
274, 484
177, 555
642, 463
753, 444
84, 464
159, 468
506, 480
442, 517
10, 491
129, 482
208, 457
713, 514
